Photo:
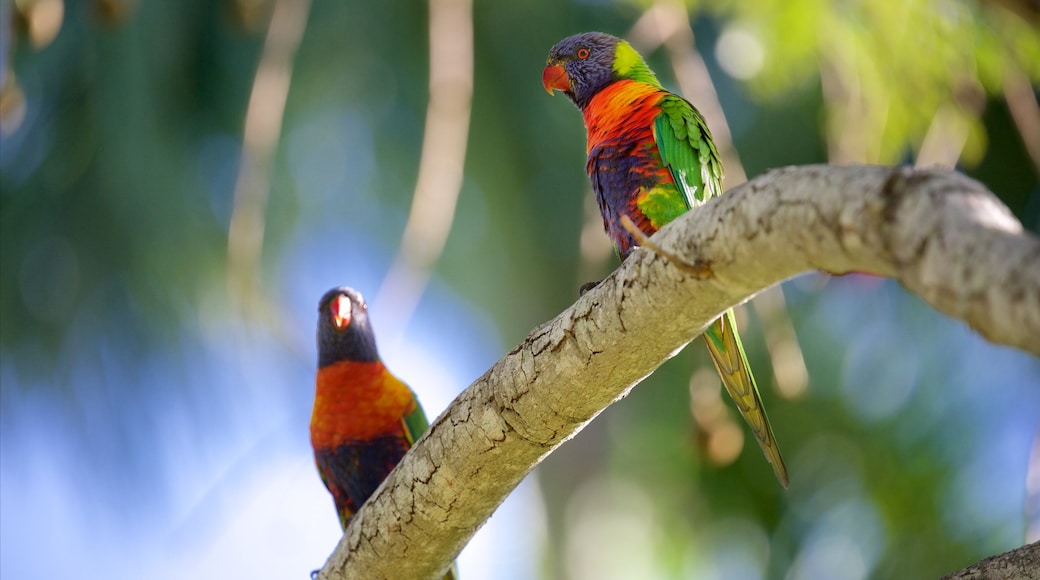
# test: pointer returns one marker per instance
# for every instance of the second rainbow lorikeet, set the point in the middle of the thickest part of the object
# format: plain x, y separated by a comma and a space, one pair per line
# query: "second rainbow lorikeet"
364, 418
651, 158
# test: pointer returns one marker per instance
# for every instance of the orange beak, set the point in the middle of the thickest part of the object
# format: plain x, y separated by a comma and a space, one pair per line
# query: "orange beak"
554, 77
340, 311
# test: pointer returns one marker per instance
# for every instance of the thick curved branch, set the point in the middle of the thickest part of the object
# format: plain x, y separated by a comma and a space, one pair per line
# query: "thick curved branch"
944, 236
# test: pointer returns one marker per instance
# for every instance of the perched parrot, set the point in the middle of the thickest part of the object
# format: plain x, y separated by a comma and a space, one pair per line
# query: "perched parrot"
364, 418
651, 157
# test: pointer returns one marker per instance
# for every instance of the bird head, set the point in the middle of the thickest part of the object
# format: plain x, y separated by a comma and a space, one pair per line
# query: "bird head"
344, 332
584, 64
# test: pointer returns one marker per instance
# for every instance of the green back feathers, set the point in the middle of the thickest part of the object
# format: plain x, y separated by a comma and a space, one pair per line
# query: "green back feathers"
662, 204
683, 140
687, 150
629, 65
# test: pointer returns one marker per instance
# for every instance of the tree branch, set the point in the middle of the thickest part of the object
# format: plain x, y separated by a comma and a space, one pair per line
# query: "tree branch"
1020, 564
944, 236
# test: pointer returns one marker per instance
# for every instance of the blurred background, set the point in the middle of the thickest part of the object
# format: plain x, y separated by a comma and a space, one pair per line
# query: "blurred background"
182, 180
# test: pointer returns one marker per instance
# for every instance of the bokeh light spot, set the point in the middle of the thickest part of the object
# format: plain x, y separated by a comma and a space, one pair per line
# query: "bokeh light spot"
740, 52
879, 372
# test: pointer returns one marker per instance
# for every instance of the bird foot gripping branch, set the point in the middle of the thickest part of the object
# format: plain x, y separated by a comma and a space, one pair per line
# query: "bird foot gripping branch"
701, 269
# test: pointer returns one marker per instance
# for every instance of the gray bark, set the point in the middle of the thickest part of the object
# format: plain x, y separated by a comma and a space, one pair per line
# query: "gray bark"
945, 237
1020, 564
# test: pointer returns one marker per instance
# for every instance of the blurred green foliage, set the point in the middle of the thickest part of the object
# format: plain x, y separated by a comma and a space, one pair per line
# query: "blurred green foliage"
904, 60
92, 213
122, 139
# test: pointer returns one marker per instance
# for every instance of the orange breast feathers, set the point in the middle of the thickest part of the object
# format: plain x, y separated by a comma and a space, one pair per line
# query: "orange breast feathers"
355, 400
624, 110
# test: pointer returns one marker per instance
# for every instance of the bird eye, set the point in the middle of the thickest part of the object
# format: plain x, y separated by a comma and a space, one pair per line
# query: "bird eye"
583, 53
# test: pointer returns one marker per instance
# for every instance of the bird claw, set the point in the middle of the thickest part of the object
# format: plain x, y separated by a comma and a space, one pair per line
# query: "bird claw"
587, 286
700, 269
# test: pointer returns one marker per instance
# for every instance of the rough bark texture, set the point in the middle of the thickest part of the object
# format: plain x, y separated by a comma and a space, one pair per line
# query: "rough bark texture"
944, 236
1020, 564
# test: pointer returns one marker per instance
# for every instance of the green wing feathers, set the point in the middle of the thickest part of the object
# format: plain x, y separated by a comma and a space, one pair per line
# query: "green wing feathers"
727, 353
415, 423
687, 150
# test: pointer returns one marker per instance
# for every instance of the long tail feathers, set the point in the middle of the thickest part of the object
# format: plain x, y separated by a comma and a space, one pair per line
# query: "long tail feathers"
730, 361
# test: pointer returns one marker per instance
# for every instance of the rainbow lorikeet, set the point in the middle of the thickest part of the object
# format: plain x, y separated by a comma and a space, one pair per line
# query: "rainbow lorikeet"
364, 418
651, 158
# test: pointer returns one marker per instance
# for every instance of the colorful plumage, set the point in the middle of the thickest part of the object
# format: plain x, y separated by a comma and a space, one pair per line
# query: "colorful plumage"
364, 418
651, 158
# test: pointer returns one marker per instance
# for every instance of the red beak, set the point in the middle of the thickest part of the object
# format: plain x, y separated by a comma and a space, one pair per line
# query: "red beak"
554, 77
340, 310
